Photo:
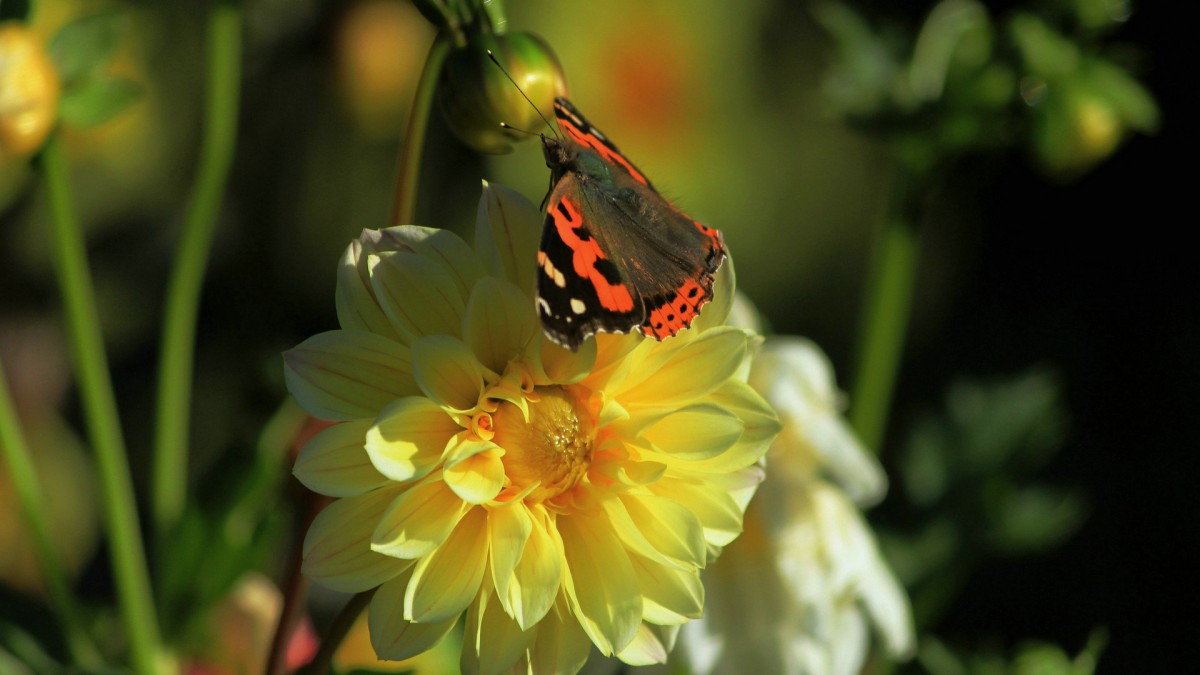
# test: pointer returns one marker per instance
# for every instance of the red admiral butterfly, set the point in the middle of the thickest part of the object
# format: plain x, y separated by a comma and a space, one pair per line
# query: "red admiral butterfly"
615, 255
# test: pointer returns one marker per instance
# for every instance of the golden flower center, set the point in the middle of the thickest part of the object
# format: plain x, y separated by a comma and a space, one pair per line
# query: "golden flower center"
552, 449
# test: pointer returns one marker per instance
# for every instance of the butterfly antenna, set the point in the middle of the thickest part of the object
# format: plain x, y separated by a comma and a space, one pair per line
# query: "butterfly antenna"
524, 96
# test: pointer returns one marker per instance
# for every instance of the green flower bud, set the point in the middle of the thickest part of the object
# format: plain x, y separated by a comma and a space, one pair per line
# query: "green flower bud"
476, 97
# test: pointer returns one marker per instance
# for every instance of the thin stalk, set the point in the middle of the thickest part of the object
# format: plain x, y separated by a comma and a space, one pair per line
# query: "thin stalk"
411, 147
187, 274
342, 623
33, 507
126, 552
884, 322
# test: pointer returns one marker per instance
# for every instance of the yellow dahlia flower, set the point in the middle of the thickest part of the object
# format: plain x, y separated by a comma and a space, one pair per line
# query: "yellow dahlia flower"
558, 500
800, 589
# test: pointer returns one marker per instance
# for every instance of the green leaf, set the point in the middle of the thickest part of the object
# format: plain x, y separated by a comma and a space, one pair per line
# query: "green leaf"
85, 45
97, 101
1035, 518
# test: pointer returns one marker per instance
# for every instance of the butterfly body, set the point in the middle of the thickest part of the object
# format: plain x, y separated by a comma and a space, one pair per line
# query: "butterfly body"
615, 255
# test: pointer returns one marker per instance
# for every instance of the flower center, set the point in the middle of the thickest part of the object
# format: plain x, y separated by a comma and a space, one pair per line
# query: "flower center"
552, 449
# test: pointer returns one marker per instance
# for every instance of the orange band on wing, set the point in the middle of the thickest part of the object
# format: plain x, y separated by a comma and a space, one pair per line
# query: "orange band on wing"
605, 151
585, 254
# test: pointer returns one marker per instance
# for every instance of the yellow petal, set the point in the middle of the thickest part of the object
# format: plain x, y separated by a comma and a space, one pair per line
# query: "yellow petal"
492, 642
600, 581
476, 479
394, 638
446, 581
499, 322
695, 432
645, 650
448, 372
717, 511
507, 231
563, 366
335, 463
562, 646
508, 530
539, 574
439, 246
417, 294
347, 375
337, 549
669, 595
690, 372
419, 520
669, 527
716, 311
407, 440
357, 308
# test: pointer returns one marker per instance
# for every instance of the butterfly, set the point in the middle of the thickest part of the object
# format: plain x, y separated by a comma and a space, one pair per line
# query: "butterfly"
615, 255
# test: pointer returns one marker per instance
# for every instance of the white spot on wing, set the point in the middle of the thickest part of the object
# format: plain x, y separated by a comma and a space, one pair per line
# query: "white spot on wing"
577, 306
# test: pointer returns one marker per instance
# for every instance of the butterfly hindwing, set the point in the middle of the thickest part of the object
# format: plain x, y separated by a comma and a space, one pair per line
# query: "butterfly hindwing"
615, 255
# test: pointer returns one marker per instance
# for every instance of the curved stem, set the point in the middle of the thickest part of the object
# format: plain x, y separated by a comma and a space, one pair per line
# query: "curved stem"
33, 507
884, 321
187, 274
342, 623
125, 546
409, 165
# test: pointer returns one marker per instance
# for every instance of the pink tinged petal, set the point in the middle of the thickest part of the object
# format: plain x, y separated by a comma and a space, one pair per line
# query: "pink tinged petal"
448, 372
478, 478
446, 581
418, 295
600, 581
492, 642
718, 512
407, 440
357, 308
337, 549
507, 231
670, 596
508, 530
347, 375
695, 432
498, 323
538, 576
440, 246
645, 650
669, 527
393, 637
691, 371
419, 520
335, 463
562, 645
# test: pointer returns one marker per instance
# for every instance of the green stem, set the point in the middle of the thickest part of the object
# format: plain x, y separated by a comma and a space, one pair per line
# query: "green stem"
187, 275
404, 203
342, 623
125, 547
884, 321
29, 495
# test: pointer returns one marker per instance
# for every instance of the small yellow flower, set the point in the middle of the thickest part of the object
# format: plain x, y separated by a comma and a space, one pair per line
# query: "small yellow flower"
799, 590
559, 500
29, 91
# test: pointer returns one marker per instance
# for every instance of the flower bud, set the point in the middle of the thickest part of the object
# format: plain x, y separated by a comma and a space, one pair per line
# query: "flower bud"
476, 97
29, 91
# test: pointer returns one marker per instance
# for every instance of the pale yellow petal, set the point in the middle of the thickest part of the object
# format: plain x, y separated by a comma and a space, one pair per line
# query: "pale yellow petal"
716, 311
669, 527
335, 463
442, 247
669, 595
562, 645
446, 581
539, 574
717, 511
632, 537
499, 322
418, 295
600, 581
645, 650
347, 375
492, 641
419, 520
357, 308
337, 548
563, 366
407, 440
507, 231
508, 530
394, 638
689, 373
695, 432
448, 372
476, 479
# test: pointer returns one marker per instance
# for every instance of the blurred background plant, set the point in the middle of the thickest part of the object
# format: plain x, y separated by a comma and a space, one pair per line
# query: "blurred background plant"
962, 202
